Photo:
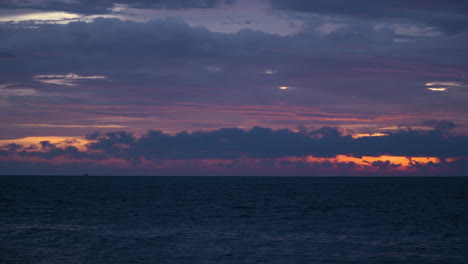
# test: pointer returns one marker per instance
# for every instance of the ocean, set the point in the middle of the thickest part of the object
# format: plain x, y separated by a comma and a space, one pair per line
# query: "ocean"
100, 220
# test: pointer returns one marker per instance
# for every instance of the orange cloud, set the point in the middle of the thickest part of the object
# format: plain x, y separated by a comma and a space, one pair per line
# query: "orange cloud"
78, 142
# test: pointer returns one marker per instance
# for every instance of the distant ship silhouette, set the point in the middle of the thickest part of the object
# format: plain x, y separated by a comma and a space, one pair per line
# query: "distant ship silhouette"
86, 174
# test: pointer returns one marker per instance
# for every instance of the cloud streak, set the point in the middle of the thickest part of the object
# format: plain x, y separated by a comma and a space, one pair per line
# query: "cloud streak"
89, 7
70, 79
71, 126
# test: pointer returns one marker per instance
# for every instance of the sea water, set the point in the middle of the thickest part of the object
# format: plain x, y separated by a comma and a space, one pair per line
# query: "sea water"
233, 220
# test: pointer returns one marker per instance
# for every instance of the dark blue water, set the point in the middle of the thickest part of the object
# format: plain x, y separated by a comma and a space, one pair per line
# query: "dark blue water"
233, 220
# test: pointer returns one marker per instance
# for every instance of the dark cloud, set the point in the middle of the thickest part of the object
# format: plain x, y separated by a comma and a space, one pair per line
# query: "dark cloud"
46, 144
6, 56
224, 143
48, 153
447, 15
244, 150
389, 8
440, 124
259, 142
265, 142
12, 147
105, 6
384, 164
414, 143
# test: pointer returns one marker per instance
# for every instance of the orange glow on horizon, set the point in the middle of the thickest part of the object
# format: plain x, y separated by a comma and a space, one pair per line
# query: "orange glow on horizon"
360, 135
78, 142
368, 160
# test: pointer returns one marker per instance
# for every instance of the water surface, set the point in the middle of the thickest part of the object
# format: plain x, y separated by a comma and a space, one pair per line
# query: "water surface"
233, 220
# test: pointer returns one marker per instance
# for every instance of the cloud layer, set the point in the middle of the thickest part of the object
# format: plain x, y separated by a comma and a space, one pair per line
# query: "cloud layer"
108, 65
108, 6
246, 151
450, 16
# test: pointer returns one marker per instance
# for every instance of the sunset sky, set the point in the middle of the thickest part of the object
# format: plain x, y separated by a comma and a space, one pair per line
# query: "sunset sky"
234, 87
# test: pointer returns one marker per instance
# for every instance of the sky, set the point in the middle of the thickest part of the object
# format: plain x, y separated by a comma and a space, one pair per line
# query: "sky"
234, 87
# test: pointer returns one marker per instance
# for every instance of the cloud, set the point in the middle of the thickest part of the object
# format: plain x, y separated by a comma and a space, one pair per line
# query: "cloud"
440, 89
447, 15
440, 124
444, 86
38, 16
259, 142
186, 78
451, 84
258, 151
7, 56
70, 79
46, 144
71, 126
108, 6
9, 89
